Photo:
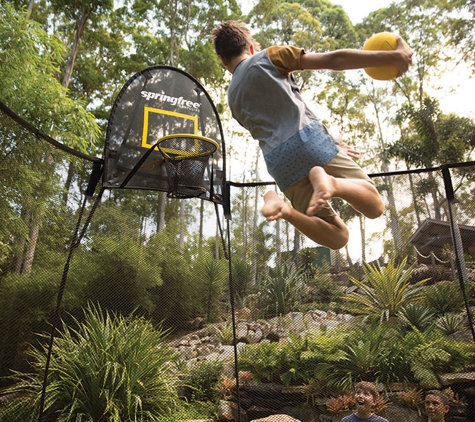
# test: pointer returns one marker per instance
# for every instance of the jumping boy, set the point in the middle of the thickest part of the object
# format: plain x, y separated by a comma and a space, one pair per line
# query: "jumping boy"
366, 395
300, 155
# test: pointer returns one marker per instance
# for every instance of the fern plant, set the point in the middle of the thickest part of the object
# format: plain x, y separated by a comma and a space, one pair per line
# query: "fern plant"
384, 290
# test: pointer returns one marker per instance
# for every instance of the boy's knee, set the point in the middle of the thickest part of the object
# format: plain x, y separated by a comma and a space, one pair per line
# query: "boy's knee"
377, 210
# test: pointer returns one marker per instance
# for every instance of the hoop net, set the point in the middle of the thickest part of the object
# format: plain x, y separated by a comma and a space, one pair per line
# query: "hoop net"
186, 158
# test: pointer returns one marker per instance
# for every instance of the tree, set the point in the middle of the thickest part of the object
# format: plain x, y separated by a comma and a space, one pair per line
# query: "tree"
23, 42
437, 139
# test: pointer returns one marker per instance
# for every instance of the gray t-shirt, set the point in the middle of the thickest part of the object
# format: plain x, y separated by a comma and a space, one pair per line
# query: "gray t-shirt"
354, 418
265, 99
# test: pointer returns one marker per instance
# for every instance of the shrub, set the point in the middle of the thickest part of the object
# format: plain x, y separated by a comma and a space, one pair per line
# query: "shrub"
416, 315
108, 368
411, 398
342, 403
282, 290
450, 323
444, 297
385, 290
275, 362
201, 382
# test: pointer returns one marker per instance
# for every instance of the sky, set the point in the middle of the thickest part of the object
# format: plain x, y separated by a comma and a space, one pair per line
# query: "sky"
355, 9
358, 9
453, 89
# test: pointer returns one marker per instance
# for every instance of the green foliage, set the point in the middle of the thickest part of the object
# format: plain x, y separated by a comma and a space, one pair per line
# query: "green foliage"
282, 289
416, 315
242, 276
450, 323
26, 303
361, 358
274, 362
443, 297
211, 275
439, 138
330, 362
202, 379
29, 59
429, 353
109, 367
384, 290
225, 333
192, 411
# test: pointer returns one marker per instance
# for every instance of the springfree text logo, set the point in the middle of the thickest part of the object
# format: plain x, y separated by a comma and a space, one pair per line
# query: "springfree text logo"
174, 101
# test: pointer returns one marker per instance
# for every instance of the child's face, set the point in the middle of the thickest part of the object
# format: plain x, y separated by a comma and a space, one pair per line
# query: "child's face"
364, 399
435, 408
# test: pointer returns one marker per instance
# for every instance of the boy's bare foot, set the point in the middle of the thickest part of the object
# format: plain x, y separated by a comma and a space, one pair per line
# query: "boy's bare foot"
274, 207
323, 189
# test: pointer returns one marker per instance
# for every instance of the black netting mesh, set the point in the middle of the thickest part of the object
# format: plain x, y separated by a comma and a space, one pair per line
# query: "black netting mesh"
186, 159
165, 260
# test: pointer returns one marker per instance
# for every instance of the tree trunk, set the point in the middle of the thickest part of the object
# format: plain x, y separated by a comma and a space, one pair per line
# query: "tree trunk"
254, 226
200, 233
20, 256
162, 199
31, 4
74, 49
31, 246
363, 237
394, 220
182, 226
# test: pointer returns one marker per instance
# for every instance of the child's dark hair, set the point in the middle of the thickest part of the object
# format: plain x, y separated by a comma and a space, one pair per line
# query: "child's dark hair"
442, 396
231, 38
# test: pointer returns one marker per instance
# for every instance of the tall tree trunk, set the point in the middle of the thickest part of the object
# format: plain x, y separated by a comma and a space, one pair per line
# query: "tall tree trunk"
363, 237
254, 226
20, 256
182, 226
414, 200
31, 246
162, 200
31, 4
200, 232
81, 27
394, 220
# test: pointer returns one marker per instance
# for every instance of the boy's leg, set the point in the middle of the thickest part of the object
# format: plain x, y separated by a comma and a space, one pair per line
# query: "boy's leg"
331, 233
359, 193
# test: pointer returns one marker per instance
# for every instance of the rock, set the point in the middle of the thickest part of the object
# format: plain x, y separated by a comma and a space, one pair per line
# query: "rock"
302, 412
241, 331
459, 378
277, 418
228, 411
395, 412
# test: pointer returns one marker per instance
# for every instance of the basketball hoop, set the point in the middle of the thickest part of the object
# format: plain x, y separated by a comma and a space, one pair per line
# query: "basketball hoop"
186, 157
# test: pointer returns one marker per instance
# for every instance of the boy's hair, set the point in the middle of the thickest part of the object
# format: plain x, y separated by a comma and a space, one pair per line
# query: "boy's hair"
368, 387
442, 396
231, 38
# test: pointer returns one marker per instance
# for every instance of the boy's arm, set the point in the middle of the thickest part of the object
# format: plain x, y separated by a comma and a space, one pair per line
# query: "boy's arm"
346, 59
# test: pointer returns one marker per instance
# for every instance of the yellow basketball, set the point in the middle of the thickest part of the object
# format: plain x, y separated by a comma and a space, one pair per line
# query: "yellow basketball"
382, 41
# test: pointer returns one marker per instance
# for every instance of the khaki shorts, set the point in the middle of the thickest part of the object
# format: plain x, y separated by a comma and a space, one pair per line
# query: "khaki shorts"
341, 166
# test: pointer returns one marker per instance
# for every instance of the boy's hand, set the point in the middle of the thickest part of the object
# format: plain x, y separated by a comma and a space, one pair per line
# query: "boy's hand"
406, 56
352, 153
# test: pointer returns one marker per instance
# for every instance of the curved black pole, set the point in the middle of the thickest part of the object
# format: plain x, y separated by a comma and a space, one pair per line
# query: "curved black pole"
75, 242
